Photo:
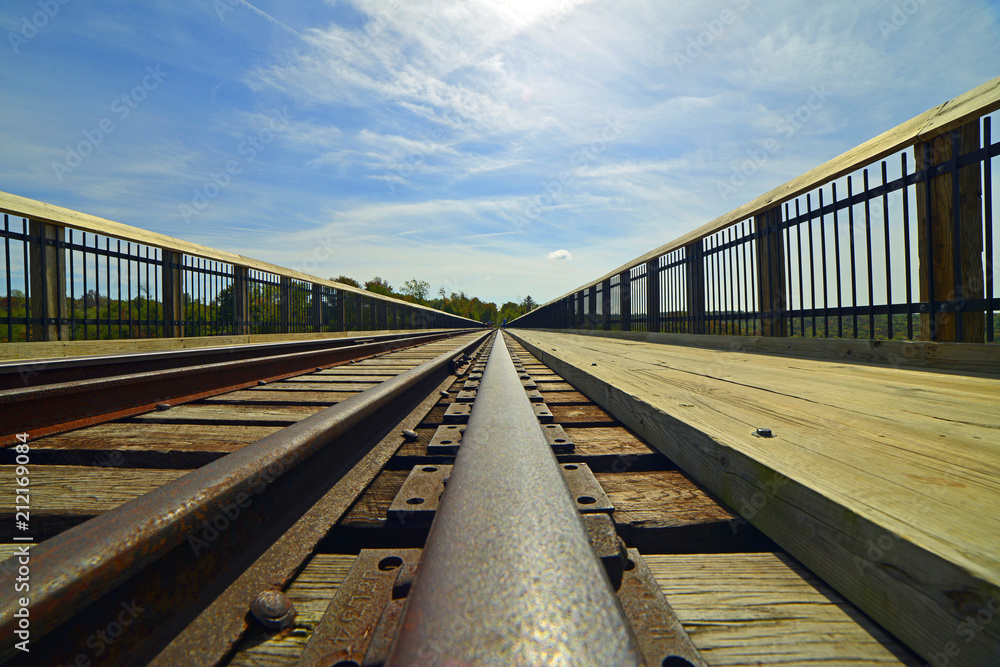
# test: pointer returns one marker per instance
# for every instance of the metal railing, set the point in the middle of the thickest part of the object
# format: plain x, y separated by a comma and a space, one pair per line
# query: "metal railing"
70, 276
892, 240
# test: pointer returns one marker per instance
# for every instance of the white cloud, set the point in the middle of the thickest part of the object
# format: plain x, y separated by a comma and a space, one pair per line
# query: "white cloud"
559, 255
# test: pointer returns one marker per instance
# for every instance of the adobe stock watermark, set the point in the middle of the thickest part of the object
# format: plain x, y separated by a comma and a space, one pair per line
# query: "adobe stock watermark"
121, 107
227, 514
788, 127
900, 16
713, 30
31, 27
417, 159
104, 637
249, 148
552, 191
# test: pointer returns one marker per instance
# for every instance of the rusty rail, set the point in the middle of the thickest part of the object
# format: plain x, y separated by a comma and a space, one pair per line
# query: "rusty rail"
176, 549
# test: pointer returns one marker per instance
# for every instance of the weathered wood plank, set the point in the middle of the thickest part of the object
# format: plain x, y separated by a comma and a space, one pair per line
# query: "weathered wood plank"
568, 415
766, 609
180, 437
230, 414
278, 397
63, 496
855, 465
967, 358
84, 348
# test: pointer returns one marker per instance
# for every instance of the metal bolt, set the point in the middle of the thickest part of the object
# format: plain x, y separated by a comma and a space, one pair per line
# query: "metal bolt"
444, 392
409, 434
273, 610
923, 308
943, 307
162, 406
261, 382
763, 433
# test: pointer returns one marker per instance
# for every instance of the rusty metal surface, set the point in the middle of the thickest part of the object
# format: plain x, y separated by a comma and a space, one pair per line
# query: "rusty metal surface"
176, 549
457, 413
585, 490
446, 440
513, 582
217, 628
64, 406
37, 372
353, 622
543, 413
661, 636
557, 438
419, 497
607, 545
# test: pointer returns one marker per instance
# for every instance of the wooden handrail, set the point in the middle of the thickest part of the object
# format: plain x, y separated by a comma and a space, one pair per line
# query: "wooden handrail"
932, 123
63, 217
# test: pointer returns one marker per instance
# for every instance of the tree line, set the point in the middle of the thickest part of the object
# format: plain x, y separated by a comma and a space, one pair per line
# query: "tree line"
456, 303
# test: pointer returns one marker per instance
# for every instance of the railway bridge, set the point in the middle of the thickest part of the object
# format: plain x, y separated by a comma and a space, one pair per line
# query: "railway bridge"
775, 440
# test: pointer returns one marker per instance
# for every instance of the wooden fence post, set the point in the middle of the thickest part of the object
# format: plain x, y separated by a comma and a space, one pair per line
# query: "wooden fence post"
695, 286
285, 305
770, 273
47, 282
317, 307
241, 300
949, 249
653, 295
592, 318
172, 280
606, 304
625, 299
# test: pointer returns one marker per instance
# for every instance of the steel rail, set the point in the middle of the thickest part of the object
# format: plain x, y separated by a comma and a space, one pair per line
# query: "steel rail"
174, 550
508, 575
15, 374
60, 407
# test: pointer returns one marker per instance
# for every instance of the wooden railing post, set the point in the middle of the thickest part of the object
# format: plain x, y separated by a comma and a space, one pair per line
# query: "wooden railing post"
625, 299
695, 287
593, 318
171, 278
317, 307
950, 237
653, 295
770, 273
606, 304
241, 300
285, 305
47, 282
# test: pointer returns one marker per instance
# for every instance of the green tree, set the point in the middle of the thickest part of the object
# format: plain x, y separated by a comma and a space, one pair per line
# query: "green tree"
344, 280
418, 289
379, 286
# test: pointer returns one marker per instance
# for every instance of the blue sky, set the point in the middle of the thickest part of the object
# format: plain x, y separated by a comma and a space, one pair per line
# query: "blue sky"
502, 148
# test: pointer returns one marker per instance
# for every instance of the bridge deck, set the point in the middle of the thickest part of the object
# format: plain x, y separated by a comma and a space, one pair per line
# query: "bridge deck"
884, 481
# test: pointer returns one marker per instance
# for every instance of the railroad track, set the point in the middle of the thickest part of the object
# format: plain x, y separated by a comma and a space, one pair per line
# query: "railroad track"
188, 535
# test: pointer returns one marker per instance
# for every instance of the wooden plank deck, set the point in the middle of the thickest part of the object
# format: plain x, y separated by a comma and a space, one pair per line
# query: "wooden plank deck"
884, 482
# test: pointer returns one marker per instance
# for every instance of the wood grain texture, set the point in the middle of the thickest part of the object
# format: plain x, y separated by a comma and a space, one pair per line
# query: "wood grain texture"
885, 482
85, 348
766, 609
971, 358
975, 103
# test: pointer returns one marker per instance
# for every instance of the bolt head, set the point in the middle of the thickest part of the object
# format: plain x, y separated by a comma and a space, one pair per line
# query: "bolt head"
763, 433
273, 610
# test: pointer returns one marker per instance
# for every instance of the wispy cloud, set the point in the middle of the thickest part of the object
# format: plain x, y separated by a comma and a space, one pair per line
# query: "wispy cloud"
450, 141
